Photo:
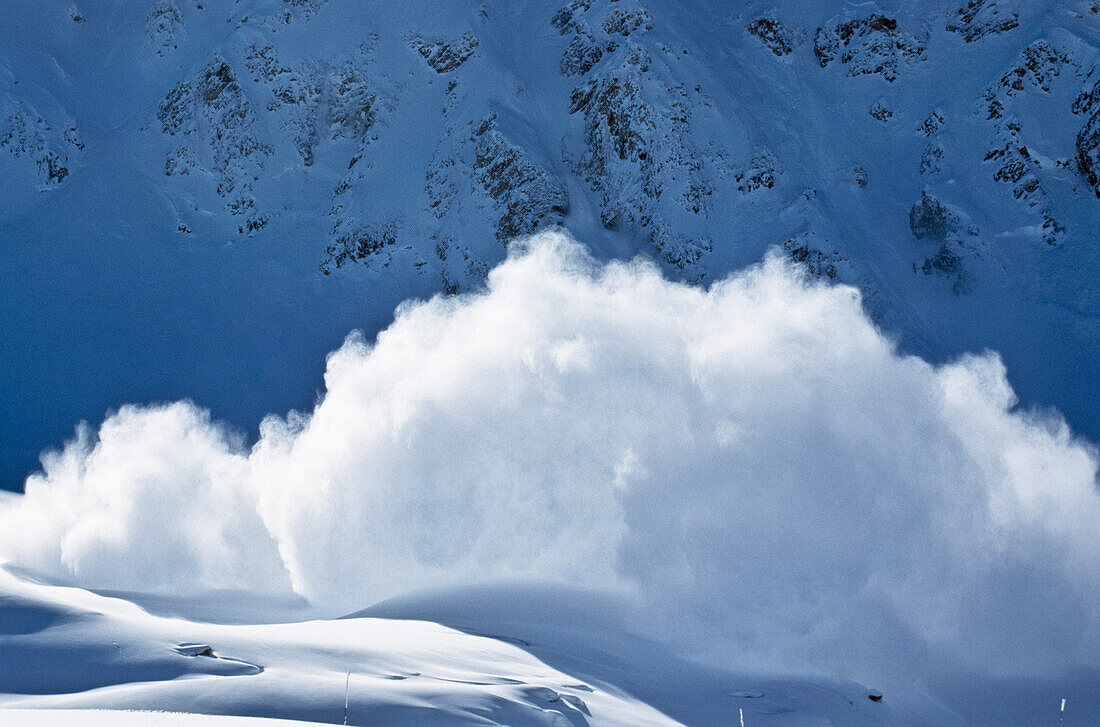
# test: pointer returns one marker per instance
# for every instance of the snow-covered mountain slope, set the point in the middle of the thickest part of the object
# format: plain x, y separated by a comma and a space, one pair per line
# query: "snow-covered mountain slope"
136, 718
515, 655
201, 197
66, 649
509, 655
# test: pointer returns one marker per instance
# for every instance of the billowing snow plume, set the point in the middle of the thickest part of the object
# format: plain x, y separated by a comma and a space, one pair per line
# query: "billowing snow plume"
755, 461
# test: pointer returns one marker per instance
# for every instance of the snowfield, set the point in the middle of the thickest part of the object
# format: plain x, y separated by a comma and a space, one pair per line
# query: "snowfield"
512, 655
71, 650
67, 649
115, 718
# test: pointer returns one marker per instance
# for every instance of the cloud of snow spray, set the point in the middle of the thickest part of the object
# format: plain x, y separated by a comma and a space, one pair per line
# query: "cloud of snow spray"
754, 461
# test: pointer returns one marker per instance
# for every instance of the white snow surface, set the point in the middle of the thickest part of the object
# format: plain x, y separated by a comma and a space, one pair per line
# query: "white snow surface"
513, 655
116, 718
67, 649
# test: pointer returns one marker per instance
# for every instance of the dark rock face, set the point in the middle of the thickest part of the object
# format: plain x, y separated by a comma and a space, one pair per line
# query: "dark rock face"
931, 157
635, 130
624, 22
615, 116
530, 198
773, 34
1087, 143
944, 262
217, 78
817, 264
162, 26
220, 136
980, 18
1038, 65
445, 56
761, 173
1035, 71
565, 19
334, 99
582, 54
867, 46
1088, 153
641, 135
930, 219
480, 162
358, 244
625, 154
1052, 228
26, 134
931, 124
880, 112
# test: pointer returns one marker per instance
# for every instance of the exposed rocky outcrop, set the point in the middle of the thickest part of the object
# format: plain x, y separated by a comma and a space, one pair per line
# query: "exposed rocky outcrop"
527, 196
26, 135
635, 134
932, 221
291, 10
358, 243
773, 34
879, 111
944, 262
480, 159
1035, 71
980, 18
817, 264
1087, 143
761, 173
320, 99
299, 91
868, 46
1037, 67
445, 56
632, 139
931, 124
565, 20
163, 26
218, 129
931, 158
929, 219
583, 53
636, 129
627, 21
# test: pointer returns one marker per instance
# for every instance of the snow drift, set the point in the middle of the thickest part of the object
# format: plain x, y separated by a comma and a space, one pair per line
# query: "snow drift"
753, 462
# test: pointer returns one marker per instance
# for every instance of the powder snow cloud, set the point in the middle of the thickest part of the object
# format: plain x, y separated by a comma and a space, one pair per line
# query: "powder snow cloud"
753, 462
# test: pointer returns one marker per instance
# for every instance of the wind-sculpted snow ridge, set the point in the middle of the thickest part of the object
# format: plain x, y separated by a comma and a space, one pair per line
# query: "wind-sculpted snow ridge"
777, 486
